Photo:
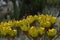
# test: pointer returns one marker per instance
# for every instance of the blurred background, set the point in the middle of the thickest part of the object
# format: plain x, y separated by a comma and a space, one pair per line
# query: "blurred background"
18, 9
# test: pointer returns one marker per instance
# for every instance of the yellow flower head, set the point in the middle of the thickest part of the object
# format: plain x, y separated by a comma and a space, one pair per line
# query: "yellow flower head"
33, 31
52, 32
41, 30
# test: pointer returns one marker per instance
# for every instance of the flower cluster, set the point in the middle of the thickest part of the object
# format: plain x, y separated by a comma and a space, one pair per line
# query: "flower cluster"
6, 29
45, 21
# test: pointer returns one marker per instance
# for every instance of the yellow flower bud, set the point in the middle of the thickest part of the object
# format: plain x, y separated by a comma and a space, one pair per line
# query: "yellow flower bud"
35, 17
33, 32
41, 30
53, 20
52, 32
25, 28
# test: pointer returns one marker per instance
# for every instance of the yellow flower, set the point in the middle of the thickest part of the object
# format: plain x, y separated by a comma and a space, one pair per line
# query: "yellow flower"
25, 28
41, 30
53, 20
33, 32
10, 23
52, 32
48, 17
35, 17
3, 31
12, 32
17, 24
30, 19
48, 24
